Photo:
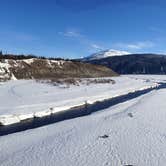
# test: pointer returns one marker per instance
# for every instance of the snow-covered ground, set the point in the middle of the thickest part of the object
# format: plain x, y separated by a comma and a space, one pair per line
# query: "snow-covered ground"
130, 133
23, 99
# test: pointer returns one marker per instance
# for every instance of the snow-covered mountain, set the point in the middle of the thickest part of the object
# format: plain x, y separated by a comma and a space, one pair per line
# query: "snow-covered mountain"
106, 53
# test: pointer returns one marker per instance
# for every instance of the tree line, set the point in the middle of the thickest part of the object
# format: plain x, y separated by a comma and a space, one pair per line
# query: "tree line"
22, 56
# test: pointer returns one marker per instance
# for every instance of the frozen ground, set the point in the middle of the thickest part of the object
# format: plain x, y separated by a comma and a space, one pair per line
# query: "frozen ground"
23, 99
130, 133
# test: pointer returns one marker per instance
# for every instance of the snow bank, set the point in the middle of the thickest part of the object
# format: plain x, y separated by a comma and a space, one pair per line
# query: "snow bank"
9, 119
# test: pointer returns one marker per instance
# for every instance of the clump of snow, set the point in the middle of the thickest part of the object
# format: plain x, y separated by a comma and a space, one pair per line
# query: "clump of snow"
9, 119
4, 64
28, 61
13, 77
60, 63
25, 116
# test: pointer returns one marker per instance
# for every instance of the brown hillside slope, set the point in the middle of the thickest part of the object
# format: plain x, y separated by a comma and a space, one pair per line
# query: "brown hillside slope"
49, 69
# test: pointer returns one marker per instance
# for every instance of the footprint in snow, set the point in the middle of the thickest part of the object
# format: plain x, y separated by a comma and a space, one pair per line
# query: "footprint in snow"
104, 136
130, 115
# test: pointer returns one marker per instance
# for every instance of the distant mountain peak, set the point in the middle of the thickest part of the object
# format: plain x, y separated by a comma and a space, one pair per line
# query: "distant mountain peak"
107, 53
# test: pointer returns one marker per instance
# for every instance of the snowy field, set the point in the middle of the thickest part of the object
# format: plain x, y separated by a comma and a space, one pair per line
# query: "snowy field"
23, 99
130, 133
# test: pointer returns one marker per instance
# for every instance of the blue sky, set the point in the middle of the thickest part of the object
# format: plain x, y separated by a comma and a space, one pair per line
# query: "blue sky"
77, 28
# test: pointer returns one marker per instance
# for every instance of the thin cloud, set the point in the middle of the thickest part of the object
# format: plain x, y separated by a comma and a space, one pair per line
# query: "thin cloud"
19, 36
136, 46
95, 46
71, 33
156, 29
82, 39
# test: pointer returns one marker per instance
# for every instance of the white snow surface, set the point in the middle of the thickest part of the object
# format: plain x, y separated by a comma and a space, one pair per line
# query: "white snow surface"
138, 140
23, 99
107, 53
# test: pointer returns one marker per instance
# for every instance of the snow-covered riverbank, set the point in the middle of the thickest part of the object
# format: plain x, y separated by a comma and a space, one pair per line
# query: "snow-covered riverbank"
21, 100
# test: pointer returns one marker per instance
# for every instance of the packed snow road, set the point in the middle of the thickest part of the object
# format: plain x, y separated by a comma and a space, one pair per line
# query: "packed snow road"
130, 133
